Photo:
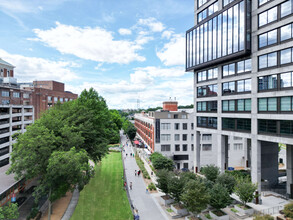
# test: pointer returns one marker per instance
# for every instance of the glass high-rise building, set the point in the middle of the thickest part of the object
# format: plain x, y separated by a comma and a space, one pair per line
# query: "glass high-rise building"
241, 53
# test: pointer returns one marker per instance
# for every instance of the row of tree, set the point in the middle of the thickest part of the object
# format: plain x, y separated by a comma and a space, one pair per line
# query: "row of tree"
195, 192
56, 149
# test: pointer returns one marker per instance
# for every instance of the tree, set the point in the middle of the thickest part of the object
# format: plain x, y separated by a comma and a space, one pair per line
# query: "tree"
131, 131
245, 189
195, 196
175, 187
228, 181
288, 210
211, 172
161, 162
9, 212
163, 177
66, 169
220, 196
186, 176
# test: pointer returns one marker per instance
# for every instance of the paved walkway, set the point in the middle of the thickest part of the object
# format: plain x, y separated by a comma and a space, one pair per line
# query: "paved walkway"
145, 203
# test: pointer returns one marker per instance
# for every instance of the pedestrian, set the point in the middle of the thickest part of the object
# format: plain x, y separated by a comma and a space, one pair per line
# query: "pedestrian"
130, 154
130, 186
126, 155
152, 173
133, 155
135, 172
147, 189
125, 184
138, 172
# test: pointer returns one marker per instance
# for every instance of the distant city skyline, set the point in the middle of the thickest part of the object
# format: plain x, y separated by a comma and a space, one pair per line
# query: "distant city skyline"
125, 50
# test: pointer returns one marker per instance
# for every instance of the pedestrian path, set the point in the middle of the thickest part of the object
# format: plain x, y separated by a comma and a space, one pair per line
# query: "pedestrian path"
144, 202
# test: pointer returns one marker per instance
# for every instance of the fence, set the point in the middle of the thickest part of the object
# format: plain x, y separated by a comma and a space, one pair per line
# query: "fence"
270, 211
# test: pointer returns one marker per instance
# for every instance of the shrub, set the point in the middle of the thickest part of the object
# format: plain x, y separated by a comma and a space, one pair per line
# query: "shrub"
239, 174
140, 164
211, 172
263, 217
161, 162
228, 181
152, 186
175, 187
288, 210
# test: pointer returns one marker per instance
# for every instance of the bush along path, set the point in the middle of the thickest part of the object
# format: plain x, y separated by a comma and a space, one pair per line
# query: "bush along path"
141, 200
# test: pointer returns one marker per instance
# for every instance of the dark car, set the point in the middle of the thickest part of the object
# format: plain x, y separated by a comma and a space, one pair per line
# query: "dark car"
20, 200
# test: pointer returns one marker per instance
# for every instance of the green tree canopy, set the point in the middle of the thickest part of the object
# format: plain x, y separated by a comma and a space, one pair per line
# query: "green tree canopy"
9, 211
220, 196
228, 181
163, 177
161, 162
211, 172
245, 189
195, 196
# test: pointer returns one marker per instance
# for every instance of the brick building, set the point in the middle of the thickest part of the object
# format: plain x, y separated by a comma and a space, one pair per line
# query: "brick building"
47, 93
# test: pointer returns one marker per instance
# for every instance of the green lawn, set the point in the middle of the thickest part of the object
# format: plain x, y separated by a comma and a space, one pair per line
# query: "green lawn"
104, 197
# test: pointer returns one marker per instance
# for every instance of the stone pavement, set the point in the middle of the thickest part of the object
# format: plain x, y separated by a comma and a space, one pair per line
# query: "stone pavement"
145, 203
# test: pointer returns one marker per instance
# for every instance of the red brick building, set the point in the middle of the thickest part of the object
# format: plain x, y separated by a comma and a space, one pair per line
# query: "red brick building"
47, 93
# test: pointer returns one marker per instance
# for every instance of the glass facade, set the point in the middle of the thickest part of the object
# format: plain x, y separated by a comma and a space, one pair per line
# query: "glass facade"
238, 105
209, 106
238, 86
267, 38
210, 90
237, 124
267, 82
207, 75
219, 37
208, 11
237, 68
277, 127
207, 122
267, 60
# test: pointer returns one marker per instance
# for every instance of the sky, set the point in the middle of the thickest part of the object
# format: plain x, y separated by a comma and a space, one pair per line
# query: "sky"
127, 50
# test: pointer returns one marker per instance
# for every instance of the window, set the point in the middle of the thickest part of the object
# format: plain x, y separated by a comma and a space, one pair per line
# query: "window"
286, 56
267, 104
169, 115
192, 137
201, 2
238, 146
16, 95
184, 146
183, 116
206, 147
184, 137
4, 162
210, 106
286, 80
238, 124
244, 105
244, 85
286, 32
237, 138
261, 2
267, 82
206, 137
165, 126
207, 75
192, 147
61, 99
66, 99
55, 99
207, 12
223, 35
177, 147
208, 122
267, 16
192, 126
49, 98
165, 147
176, 126
286, 127
5, 93
267, 60
26, 95
228, 105
210, 90
228, 87
165, 137
175, 115
177, 137
244, 66
267, 38
286, 104
229, 69
267, 126
184, 125
286, 8
4, 151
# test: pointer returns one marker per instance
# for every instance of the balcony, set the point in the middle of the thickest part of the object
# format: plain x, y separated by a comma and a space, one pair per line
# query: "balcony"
222, 38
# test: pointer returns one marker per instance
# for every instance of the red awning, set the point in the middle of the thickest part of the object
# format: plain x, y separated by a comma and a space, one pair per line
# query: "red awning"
136, 142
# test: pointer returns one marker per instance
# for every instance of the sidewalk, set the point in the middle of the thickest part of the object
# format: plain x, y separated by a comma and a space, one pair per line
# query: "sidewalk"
145, 203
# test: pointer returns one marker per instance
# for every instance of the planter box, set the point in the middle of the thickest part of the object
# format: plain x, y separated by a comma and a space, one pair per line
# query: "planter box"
179, 211
223, 217
203, 217
249, 211
166, 200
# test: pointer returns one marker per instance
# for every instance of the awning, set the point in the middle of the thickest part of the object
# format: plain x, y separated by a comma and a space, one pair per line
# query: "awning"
136, 142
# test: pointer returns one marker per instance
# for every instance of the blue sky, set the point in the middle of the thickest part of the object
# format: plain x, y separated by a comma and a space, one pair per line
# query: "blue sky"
126, 50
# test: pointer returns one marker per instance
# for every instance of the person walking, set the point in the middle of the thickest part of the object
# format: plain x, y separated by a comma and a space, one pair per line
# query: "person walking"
147, 189
135, 172
138, 172
130, 185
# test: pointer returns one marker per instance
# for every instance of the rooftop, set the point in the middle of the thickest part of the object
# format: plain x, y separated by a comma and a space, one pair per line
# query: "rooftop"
6, 180
5, 63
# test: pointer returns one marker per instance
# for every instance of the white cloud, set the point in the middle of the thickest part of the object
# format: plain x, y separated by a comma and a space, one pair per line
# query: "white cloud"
167, 34
154, 71
88, 43
173, 52
124, 31
152, 23
34, 68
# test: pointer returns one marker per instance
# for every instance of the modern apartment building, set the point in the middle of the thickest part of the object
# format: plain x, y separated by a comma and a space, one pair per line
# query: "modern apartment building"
168, 131
46, 94
241, 53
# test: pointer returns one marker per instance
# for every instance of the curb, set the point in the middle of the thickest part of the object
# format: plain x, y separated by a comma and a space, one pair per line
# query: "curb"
71, 206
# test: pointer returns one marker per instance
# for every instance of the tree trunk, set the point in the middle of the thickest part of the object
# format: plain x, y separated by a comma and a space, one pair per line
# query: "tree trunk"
50, 206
